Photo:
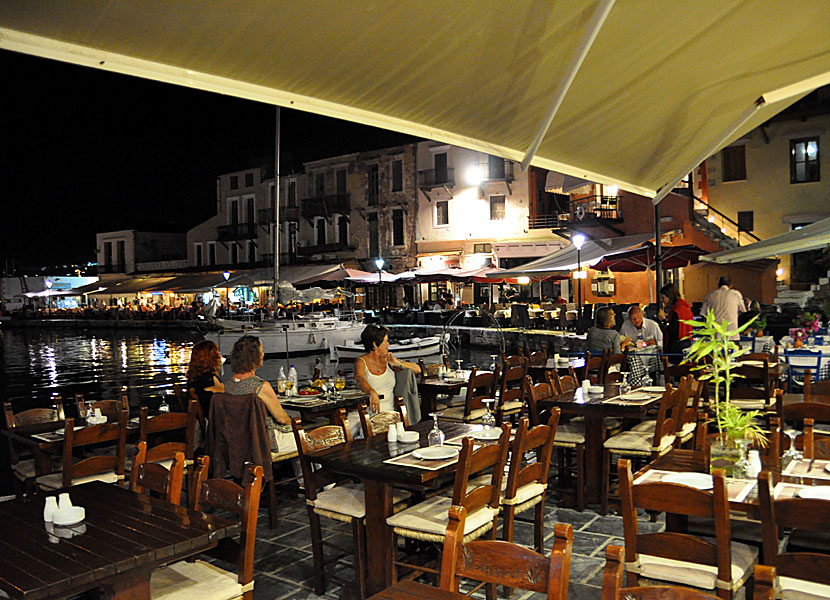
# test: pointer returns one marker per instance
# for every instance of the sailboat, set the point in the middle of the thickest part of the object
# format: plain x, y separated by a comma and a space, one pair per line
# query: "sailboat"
301, 334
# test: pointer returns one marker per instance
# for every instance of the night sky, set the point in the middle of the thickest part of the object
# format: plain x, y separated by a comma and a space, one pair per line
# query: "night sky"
87, 151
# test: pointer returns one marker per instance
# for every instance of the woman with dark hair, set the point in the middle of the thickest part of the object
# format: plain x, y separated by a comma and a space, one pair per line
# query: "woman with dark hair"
246, 357
373, 372
203, 372
677, 335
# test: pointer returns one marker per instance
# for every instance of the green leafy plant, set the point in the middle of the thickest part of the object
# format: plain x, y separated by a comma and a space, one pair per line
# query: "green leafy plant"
714, 355
760, 323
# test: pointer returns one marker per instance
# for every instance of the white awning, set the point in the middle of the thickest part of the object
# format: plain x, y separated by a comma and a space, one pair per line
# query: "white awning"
524, 249
566, 258
633, 93
810, 237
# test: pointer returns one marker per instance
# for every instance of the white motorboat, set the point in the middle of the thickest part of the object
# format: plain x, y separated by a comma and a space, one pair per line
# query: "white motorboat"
403, 349
302, 335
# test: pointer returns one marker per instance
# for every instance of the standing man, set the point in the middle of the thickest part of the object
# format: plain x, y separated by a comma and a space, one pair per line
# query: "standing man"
726, 303
638, 327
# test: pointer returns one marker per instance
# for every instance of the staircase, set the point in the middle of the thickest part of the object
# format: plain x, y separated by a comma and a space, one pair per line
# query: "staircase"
815, 297
701, 222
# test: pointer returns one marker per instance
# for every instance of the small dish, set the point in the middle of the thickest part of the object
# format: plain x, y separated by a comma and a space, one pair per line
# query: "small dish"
635, 396
814, 493
652, 389
596, 389
69, 516
436, 453
408, 437
486, 435
700, 481
827, 467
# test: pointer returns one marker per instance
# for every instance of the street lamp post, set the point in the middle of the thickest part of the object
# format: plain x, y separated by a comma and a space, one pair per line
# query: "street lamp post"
578, 240
227, 275
379, 264
48, 284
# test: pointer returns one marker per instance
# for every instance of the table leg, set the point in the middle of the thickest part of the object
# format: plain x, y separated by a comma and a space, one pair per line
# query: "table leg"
379, 537
428, 401
594, 437
130, 585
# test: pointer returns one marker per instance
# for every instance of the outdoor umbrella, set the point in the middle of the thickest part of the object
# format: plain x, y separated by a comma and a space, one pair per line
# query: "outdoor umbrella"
642, 258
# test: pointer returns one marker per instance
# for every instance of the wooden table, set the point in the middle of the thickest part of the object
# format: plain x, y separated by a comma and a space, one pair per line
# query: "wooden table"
327, 410
365, 459
595, 409
430, 387
410, 590
123, 538
537, 372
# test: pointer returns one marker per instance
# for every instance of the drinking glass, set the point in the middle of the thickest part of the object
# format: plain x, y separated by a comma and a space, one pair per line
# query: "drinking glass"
436, 436
340, 383
163, 406
792, 453
489, 420
493, 359
289, 387
742, 466
458, 372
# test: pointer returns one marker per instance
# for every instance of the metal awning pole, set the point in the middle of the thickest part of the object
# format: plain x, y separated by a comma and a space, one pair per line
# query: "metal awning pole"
276, 249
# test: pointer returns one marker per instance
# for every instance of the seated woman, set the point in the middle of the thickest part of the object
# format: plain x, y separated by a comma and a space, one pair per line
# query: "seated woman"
246, 357
604, 337
374, 371
203, 373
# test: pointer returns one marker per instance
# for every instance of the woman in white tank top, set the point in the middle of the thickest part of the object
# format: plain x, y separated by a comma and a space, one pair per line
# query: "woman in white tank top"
374, 371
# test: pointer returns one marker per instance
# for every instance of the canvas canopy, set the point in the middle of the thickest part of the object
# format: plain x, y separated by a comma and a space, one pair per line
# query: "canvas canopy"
634, 93
810, 237
642, 258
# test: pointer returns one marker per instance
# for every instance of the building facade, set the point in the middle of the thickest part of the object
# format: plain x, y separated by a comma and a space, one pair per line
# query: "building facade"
130, 251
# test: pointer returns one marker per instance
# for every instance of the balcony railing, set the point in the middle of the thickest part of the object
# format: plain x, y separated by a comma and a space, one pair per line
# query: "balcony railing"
549, 221
323, 206
498, 170
324, 249
236, 231
436, 177
602, 207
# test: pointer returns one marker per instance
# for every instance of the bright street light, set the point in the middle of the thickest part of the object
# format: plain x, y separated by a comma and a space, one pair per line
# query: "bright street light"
474, 176
379, 263
579, 240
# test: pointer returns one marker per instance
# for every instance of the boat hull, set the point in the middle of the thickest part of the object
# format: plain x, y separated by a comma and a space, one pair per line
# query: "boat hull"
416, 348
292, 337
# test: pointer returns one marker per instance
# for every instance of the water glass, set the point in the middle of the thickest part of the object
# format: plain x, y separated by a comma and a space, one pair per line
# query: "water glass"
489, 420
164, 407
436, 436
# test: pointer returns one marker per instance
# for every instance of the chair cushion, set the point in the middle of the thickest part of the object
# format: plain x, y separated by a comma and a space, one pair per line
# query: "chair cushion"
26, 469
195, 581
798, 589
753, 403
515, 405
456, 413
53, 481
432, 516
696, 574
569, 434
349, 500
636, 441
647, 425
526, 492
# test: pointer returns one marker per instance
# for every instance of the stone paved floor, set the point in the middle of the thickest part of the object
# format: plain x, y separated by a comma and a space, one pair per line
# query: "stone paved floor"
284, 565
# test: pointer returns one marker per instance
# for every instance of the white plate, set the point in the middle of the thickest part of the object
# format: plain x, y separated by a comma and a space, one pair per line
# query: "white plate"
700, 481
814, 493
596, 389
635, 396
827, 468
69, 516
486, 435
653, 389
436, 453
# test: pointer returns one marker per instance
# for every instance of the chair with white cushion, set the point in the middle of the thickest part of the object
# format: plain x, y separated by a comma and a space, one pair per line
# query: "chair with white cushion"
164, 481
479, 387
718, 564
510, 404
799, 575
427, 521
24, 466
189, 580
108, 468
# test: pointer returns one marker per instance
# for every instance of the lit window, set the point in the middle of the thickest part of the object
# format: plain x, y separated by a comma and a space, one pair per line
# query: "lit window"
497, 208
442, 213
804, 160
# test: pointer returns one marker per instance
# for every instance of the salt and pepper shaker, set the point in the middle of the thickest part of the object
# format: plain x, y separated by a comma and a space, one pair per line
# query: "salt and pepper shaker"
399, 427
64, 502
585, 386
49, 508
392, 434
755, 466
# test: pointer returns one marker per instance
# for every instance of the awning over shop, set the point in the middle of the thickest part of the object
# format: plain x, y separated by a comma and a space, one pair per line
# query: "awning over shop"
566, 258
189, 284
336, 273
373, 278
559, 183
524, 249
810, 237
132, 286
96, 286
642, 258
738, 62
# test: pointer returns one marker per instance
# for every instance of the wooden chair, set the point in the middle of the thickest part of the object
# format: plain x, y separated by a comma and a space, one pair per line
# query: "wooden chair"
432, 369
106, 467
182, 398
167, 424
188, 579
815, 390
798, 574
612, 583
428, 520
562, 383
723, 566
593, 364
527, 482
479, 386
673, 373
754, 390
568, 437
154, 477
688, 415
108, 408
514, 360
818, 411
500, 562
379, 423
24, 466
510, 401
764, 583
617, 360
649, 443
538, 358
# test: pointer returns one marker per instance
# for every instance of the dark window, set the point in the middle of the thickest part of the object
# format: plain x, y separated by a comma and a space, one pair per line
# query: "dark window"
107, 254
804, 160
374, 241
482, 248
495, 167
121, 255
320, 226
211, 254
233, 212
249, 180
397, 175
198, 249
234, 182
373, 185
442, 212
734, 163
441, 167
341, 181
320, 185
397, 227
251, 252
234, 253
291, 200
496, 208
343, 229
249, 210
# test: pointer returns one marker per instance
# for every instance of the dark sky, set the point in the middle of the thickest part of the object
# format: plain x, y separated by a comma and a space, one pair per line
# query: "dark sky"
86, 151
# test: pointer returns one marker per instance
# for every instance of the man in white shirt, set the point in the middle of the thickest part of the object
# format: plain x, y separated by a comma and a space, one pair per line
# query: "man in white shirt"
726, 303
637, 327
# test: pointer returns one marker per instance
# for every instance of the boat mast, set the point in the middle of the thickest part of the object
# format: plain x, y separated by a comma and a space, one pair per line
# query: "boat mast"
276, 225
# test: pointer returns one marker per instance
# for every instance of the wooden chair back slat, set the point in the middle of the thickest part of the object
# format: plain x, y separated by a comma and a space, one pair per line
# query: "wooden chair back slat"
472, 461
184, 423
815, 390
379, 423
501, 562
317, 439
538, 440
510, 384
94, 434
534, 393
150, 476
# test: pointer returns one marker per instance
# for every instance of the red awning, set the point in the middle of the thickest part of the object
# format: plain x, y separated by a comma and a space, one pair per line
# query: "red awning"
642, 258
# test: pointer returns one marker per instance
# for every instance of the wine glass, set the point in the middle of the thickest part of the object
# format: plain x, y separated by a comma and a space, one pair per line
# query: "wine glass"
289, 387
742, 466
489, 420
458, 372
493, 364
436, 436
791, 432
163, 406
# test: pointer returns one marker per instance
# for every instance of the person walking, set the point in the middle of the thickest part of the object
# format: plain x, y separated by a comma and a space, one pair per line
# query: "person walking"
677, 335
726, 303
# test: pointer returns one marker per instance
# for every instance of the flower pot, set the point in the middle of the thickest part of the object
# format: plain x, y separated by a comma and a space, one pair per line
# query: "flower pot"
759, 333
727, 457
798, 343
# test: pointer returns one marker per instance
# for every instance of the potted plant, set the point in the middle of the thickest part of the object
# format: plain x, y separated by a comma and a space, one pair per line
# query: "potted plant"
715, 355
760, 325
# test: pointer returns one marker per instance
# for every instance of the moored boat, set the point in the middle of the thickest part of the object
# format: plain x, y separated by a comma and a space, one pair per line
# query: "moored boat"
403, 349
